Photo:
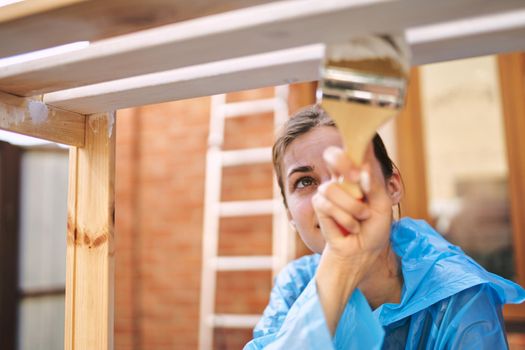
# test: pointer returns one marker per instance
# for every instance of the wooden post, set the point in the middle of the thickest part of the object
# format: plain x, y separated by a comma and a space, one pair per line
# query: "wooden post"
90, 252
512, 86
10, 163
411, 154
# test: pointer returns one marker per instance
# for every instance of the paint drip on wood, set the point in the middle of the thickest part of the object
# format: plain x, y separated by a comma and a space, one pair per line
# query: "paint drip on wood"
35, 112
95, 120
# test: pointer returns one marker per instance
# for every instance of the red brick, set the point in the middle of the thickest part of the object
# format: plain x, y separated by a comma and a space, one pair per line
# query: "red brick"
160, 170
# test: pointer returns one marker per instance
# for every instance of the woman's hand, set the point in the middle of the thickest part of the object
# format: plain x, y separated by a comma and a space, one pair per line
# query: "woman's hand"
356, 230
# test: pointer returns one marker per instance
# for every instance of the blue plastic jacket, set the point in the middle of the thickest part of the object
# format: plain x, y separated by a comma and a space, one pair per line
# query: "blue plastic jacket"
448, 302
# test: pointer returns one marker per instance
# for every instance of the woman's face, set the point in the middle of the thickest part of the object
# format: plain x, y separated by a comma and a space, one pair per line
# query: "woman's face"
304, 170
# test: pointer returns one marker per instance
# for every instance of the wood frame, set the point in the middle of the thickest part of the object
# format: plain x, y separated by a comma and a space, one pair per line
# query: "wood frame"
205, 54
34, 118
9, 227
456, 39
484, 35
411, 152
260, 29
90, 236
411, 157
39, 24
512, 84
276, 68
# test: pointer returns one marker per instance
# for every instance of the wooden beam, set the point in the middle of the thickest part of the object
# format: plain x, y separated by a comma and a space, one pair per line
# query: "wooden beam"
283, 67
440, 42
249, 31
485, 35
38, 24
28, 8
90, 251
411, 152
33, 118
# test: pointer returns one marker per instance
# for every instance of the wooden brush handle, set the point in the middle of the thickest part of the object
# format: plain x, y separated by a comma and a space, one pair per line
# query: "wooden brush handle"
353, 188
357, 124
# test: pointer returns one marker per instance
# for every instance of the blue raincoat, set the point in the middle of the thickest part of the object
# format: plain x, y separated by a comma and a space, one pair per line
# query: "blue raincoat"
448, 301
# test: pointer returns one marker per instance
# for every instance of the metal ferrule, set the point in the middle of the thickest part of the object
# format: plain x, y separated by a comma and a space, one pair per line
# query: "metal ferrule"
358, 87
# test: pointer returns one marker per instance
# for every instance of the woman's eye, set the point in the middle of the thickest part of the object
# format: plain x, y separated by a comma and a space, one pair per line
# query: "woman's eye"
304, 182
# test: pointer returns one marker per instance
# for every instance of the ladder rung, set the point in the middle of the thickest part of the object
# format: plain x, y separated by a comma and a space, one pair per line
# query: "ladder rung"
235, 321
247, 156
243, 263
246, 208
246, 108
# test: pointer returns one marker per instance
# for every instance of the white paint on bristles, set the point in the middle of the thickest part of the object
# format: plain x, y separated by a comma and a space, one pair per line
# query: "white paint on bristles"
370, 47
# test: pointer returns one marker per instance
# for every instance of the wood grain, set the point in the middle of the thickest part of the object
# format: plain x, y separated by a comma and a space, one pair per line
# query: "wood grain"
40, 24
512, 86
411, 152
90, 249
33, 118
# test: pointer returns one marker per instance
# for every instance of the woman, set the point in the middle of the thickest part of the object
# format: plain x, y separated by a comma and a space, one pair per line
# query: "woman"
374, 282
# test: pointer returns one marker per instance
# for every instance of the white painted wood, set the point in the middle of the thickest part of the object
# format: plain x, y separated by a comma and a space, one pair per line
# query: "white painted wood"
283, 237
210, 237
246, 156
243, 263
484, 35
235, 321
269, 69
248, 31
246, 108
446, 41
246, 208
214, 209
40, 24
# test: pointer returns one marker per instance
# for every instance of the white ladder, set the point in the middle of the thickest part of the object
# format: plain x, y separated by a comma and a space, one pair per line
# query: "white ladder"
283, 240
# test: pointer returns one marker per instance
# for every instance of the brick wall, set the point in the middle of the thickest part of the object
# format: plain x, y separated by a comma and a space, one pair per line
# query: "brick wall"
161, 153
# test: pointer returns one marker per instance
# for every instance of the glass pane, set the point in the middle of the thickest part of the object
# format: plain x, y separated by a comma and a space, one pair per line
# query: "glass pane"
466, 160
43, 219
41, 323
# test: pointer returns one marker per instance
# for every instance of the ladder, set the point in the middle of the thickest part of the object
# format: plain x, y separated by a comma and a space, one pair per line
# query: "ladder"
283, 240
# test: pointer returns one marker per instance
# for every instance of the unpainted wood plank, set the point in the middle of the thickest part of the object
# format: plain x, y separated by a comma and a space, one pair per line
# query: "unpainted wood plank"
265, 28
38, 24
71, 236
27, 8
512, 87
34, 118
90, 239
411, 152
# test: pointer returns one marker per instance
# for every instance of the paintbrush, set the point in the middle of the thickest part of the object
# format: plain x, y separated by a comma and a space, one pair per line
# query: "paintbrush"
363, 84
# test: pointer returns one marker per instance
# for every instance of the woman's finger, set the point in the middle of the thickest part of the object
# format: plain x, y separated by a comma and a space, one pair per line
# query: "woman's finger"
327, 211
340, 165
336, 193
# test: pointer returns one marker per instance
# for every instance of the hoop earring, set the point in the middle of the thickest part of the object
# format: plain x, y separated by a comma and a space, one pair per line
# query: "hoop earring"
396, 214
